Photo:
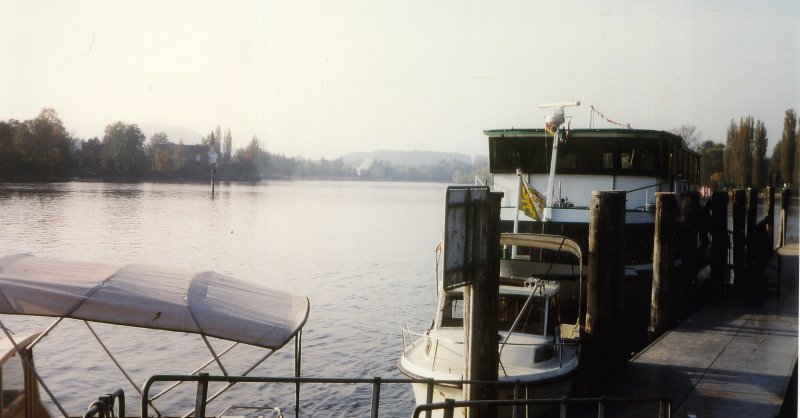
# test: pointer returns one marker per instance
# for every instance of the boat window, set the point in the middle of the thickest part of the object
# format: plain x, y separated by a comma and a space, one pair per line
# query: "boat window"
626, 160
453, 311
532, 320
506, 155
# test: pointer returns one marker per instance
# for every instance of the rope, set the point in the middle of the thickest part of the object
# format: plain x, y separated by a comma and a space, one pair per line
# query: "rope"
624, 125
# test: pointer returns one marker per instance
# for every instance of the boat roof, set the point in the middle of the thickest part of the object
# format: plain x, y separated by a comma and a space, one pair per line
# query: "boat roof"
144, 296
606, 133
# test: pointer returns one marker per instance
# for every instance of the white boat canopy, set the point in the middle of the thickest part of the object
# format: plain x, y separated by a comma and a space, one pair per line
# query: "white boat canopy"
138, 295
548, 242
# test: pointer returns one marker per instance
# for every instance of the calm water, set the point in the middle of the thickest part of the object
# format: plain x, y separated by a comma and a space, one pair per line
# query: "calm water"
363, 253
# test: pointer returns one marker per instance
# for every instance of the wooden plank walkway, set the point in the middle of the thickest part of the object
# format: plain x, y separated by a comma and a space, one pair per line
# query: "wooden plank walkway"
729, 359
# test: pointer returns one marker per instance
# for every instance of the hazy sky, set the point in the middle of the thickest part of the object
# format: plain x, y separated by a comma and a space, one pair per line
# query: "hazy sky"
324, 78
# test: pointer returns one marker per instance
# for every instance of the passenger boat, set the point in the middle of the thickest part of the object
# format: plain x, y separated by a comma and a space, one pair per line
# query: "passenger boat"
547, 177
538, 351
208, 304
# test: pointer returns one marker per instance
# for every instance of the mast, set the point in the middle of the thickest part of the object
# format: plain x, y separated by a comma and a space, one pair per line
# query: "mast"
553, 124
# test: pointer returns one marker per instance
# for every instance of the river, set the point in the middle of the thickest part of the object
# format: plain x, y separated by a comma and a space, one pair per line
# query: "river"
362, 252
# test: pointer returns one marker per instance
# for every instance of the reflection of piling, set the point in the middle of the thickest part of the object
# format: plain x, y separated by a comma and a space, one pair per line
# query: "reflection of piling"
719, 241
605, 311
663, 292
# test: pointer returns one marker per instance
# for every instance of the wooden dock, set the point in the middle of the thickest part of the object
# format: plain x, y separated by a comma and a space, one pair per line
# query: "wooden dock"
734, 357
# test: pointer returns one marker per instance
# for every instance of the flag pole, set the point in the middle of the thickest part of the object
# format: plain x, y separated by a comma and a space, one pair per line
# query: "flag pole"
516, 212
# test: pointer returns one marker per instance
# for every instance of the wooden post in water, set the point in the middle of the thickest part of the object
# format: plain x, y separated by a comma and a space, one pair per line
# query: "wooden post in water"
719, 241
769, 208
663, 293
688, 234
481, 307
785, 193
605, 310
751, 250
739, 213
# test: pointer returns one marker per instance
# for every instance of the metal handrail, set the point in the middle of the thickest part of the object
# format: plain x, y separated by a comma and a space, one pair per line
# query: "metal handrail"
103, 407
449, 405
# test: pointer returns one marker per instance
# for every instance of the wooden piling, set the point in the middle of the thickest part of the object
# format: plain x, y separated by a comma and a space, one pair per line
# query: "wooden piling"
719, 241
751, 247
739, 214
663, 297
688, 233
769, 208
785, 193
481, 306
605, 311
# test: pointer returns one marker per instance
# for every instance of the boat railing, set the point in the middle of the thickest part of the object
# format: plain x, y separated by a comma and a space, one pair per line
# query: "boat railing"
519, 396
103, 407
449, 406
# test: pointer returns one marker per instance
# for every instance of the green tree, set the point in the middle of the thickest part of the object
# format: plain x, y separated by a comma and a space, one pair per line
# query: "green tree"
738, 157
711, 165
90, 157
786, 148
227, 143
760, 164
123, 147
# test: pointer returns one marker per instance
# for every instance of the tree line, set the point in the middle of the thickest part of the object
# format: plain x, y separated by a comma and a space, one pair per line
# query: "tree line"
742, 160
43, 149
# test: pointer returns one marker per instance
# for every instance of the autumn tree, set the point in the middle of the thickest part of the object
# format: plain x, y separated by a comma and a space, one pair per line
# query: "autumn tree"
43, 145
123, 147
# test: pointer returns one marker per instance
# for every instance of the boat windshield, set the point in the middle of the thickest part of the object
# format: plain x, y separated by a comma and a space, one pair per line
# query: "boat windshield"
532, 321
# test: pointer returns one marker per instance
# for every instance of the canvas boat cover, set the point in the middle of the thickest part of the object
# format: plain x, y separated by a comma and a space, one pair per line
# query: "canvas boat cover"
548, 242
144, 296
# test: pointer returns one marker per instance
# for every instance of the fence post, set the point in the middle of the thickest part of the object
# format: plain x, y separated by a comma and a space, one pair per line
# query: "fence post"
202, 394
376, 396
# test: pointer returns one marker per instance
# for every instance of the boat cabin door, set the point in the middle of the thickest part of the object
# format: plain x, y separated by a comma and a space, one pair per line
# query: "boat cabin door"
19, 390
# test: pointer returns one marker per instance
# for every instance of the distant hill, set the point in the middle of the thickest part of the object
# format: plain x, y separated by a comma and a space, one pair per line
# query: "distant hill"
175, 133
404, 158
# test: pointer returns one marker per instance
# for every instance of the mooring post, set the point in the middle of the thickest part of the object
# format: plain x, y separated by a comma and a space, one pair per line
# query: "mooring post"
719, 241
751, 244
784, 215
481, 307
739, 213
688, 234
605, 311
769, 216
662, 298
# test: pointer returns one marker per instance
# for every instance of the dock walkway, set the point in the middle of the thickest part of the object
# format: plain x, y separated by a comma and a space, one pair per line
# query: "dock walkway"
731, 358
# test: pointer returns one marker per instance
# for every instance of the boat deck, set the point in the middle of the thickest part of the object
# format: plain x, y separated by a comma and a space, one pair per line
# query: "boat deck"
731, 358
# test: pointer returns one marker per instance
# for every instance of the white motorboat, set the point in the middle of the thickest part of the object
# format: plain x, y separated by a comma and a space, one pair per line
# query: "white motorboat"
538, 351
208, 304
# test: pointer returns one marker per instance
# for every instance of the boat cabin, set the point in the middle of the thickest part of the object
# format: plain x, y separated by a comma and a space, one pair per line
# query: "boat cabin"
540, 316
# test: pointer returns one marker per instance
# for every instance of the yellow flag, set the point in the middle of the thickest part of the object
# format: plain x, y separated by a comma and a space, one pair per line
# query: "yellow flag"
531, 202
